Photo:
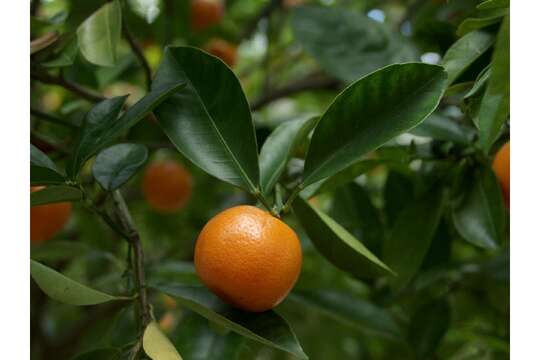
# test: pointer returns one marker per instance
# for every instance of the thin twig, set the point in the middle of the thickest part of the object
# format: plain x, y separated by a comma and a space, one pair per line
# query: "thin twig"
311, 82
138, 52
68, 85
51, 118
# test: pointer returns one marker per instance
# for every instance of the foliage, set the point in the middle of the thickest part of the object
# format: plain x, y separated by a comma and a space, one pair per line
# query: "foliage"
368, 126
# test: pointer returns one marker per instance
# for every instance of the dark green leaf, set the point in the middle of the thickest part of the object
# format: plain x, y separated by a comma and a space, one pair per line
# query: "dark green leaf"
464, 52
336, 244
209, 121
278, 147
480, 83
101, 354
118, 163
493, 4
66, 56
369, 113
428, 326
479, 214
398, 195
42, 170
63, 289
411, 236
364, 45
157, 346
55, 194
440, 127
267, 327
495, 105
99, 35
350, 310
96, 123
472, 24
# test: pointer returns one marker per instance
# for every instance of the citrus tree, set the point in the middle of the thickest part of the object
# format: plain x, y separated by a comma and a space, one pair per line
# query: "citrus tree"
269, 179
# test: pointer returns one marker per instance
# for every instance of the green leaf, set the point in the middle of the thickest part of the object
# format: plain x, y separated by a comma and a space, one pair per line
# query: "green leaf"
267, 327
42, 170
428, 326
209, 121
350, 310
336, 244
63, 289
495, 105
411, 236
157, 346
278, 147
472, 24
493, 4
96, 123
55, 194
59, 250
100, 34
398, 194
479, 213
115, 165
480, 83
364, 44
66, 56
464, 52
443, 128
102, 125
101, 354
371, 112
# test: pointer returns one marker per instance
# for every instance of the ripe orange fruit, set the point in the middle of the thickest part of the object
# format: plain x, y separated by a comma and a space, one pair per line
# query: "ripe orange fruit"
223, 50
248, 258
167, 186
47, 220
205, 13
501, 167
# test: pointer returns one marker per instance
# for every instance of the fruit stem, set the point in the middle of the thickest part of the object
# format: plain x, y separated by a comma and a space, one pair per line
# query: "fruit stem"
257, 193
285, 209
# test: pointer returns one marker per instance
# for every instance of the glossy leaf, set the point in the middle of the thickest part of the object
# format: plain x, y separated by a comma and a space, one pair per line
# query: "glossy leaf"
369, 113
411, 236
55, 194
336, 244
65, 290
428, 326
495, 105
493, 4
440, 127
480, 83
464, 52
479, 214
472, 24
349, 310
277, 149
267, 328
117, 164
100, 34
209, 121
42, 170
157, 346
364, 44
102, 125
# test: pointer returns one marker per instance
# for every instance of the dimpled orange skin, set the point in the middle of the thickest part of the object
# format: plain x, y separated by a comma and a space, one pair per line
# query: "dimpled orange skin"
47, 220
167, 186
205, 13
223, 50
248, 258
501, 167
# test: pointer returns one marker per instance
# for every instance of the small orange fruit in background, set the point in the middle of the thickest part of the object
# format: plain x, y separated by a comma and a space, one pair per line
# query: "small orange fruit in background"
223, 50
205, 13
47, 220
248, 258
501, 167
167, 186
